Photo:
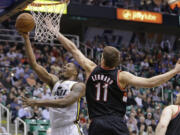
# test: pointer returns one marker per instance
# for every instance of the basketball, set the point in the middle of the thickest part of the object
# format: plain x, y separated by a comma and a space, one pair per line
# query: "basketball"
25, 22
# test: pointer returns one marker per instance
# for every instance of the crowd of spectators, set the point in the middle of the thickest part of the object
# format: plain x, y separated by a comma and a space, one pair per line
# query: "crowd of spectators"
17, 79
147, 5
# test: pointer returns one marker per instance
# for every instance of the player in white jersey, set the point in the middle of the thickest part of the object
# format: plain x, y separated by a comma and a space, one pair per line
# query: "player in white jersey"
66, 93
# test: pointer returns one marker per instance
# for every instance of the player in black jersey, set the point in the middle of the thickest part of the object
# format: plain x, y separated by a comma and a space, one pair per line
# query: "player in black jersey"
106, 88
170, 120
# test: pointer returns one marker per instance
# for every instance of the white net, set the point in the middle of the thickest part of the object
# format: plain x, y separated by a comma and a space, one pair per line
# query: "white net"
47, 10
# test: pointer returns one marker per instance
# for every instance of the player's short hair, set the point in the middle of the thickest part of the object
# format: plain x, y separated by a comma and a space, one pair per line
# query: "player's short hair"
111, 57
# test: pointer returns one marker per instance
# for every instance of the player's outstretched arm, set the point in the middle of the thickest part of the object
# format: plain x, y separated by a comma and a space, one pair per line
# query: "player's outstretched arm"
84, 62
164, 121
78, 90
42, 73
126, 78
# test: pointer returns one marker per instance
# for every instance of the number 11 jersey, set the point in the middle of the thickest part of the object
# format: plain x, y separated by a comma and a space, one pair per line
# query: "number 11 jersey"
104, 95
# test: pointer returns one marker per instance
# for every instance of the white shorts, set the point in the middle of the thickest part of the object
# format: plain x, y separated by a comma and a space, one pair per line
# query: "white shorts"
72, 129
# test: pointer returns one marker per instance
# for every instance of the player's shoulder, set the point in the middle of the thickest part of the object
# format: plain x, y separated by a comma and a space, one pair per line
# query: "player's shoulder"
122, 74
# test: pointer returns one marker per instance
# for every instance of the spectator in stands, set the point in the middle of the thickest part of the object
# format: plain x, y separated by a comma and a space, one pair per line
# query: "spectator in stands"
138, 100
19, 69
37, 113
165, 46
141, 124
153, 125
142, 130
150, 130
45, 113
2, 130
131, 100
148, 119
176, 9
31, 81
14, 107
45, 94
132, 123
24, 113
157, 112
37, 90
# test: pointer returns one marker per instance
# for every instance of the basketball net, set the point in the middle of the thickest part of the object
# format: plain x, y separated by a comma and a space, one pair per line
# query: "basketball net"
43, 11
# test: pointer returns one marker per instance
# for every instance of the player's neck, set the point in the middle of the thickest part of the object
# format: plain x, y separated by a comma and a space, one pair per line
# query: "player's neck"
106, 68
72, 78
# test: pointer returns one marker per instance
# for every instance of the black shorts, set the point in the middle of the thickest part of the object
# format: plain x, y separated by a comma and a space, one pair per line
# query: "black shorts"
108, 125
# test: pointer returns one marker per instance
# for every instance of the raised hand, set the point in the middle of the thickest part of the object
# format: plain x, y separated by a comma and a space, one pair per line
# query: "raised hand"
24, 34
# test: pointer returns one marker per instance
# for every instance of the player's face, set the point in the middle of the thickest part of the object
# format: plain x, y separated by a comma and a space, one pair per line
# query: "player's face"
69, 70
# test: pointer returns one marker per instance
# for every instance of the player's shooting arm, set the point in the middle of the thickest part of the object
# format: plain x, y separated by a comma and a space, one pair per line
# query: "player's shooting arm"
85, 63
126, 78
164, 121
42, 73
78, 90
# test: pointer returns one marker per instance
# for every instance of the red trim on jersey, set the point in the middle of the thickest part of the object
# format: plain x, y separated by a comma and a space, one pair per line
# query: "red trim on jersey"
107, 68
174, 116
123, 89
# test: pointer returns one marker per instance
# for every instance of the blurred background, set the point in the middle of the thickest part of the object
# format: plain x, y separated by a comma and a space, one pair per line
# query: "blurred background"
147, 32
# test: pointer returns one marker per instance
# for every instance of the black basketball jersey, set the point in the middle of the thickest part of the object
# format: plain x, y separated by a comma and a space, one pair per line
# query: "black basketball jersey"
103, 94
174, 125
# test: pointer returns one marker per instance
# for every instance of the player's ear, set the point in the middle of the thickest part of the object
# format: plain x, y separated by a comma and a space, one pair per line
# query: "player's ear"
102, 59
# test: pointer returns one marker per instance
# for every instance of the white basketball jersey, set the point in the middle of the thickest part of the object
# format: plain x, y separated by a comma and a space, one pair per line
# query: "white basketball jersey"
63, 116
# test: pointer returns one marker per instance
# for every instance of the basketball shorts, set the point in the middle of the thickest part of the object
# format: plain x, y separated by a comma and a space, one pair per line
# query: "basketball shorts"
108, 125
72, 129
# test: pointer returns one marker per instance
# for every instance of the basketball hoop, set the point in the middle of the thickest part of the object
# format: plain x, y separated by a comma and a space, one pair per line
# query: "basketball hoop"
49, 10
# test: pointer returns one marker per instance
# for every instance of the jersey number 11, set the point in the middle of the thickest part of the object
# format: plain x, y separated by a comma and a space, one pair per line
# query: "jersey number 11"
98, 92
